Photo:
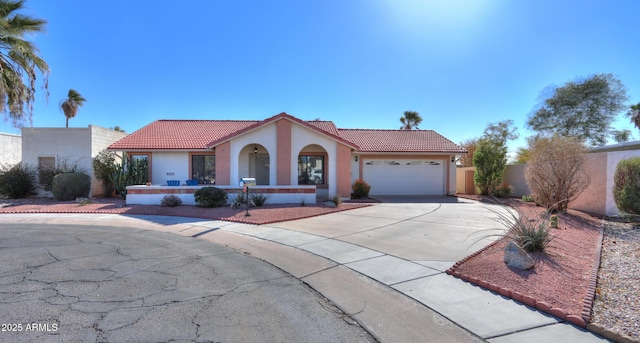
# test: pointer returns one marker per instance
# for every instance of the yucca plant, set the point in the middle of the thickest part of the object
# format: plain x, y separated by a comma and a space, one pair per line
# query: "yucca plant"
258, 199
531, 235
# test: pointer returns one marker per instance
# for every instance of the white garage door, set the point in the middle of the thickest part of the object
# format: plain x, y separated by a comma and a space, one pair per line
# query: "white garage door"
404, 176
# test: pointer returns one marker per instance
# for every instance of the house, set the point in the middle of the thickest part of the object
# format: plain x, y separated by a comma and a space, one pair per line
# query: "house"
287, 155
601, 167
54, 146
10, 150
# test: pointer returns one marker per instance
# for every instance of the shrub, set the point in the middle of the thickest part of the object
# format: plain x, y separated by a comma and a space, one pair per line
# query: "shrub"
170, 201
238, 200
127, 173
258, 199
18, 181
336, 199
47, 173
69, 186
555, 172
626, 186
210, 197
504, 191
490, 160
532, 236
330, 203
104, 165
360, 189
527, 198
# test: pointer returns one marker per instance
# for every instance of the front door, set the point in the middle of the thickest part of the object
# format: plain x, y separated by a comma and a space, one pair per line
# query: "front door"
259, 168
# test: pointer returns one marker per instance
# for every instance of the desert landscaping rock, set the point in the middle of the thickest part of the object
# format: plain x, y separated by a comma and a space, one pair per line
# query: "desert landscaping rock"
516, 257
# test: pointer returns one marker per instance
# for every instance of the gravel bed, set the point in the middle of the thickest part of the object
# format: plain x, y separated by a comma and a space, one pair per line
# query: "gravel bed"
617, 303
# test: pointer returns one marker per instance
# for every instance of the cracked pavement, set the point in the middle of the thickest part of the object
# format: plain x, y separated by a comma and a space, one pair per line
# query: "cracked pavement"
85, 283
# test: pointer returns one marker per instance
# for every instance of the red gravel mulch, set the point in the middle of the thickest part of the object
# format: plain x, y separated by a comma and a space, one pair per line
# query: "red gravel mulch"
562, 281
259, 215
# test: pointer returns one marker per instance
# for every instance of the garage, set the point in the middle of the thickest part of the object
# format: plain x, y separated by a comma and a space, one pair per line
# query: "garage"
404, 176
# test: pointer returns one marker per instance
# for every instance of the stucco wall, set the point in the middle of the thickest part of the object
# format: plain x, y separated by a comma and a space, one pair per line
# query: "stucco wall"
451, 167
10, 150
68, 145
343, 187
169, 166
513, 175
596, 198
593, 198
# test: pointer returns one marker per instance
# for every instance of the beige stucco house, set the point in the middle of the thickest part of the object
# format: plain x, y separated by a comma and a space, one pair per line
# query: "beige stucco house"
601, 167
53, 146
289, 158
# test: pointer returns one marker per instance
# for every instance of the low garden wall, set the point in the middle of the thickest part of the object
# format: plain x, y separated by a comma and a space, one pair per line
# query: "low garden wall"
152, 195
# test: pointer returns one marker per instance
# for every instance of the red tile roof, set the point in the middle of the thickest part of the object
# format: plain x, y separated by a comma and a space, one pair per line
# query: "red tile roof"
204, 134
322, 127
180, 134
423, 141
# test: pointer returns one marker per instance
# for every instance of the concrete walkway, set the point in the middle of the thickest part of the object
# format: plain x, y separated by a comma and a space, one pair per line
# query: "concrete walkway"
384, 265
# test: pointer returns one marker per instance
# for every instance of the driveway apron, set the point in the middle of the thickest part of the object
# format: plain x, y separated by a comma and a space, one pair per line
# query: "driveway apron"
407, 244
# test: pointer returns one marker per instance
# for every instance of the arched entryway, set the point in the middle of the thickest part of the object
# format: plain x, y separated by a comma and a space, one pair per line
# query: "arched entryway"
254, 161
313, 168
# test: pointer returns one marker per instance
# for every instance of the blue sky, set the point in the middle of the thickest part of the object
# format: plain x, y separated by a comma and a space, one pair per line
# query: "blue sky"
359, 63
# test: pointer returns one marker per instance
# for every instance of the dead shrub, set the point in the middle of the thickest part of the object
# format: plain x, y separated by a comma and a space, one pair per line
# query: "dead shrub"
555, 172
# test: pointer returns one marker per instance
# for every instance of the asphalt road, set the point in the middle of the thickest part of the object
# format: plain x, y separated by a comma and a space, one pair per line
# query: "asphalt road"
63, 283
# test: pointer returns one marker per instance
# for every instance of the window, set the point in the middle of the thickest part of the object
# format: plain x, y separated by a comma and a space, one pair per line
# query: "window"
311, 170
45, 164
203, 168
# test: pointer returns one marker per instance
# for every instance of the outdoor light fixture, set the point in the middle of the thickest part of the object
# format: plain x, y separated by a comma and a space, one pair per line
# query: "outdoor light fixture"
356, 158
255, 149
453, 159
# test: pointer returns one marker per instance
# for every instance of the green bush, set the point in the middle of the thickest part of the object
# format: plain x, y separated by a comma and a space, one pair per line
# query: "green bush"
170, 201
127, 173
69, 186
527, 198
210, 197
626, 186
490, 160
258, 199
360, 189
503, 191
336, 199
47, 173
238, 200
104, 165
17, 182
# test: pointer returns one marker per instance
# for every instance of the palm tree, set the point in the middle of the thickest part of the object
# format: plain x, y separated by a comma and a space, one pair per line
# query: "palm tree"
410, 120
19, 57
70, 105
634, 114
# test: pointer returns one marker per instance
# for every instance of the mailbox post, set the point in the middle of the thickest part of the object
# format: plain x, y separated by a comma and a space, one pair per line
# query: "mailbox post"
245, 182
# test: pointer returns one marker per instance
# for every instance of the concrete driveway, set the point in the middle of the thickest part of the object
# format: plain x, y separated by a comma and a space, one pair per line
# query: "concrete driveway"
436, 231
405, 244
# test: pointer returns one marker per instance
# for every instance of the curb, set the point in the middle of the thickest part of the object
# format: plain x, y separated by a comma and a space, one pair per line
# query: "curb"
581, 320
234, 220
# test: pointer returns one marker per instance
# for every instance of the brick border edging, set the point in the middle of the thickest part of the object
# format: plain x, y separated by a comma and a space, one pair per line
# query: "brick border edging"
581, 320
